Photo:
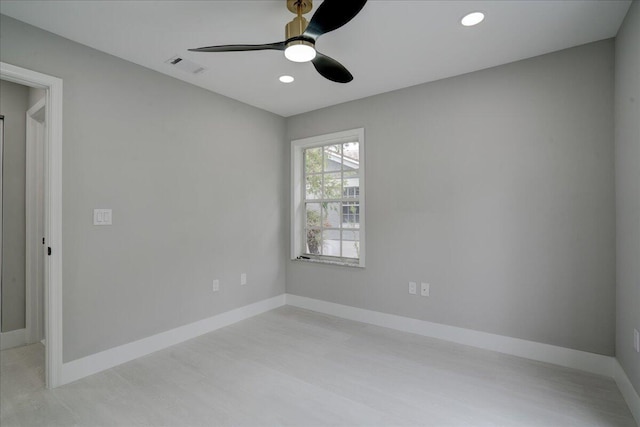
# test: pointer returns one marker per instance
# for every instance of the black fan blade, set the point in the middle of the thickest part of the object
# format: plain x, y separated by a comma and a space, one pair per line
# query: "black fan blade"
331, 15
331, 69
240, 47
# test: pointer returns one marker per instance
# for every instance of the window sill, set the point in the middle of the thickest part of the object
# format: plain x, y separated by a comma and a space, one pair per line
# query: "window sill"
328, 262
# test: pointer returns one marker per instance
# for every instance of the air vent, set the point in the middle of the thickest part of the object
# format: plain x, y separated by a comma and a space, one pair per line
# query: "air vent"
185, 65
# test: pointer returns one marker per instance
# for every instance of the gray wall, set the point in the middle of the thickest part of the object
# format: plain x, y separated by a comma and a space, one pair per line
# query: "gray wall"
627, 137
497, 187
504, 201
14, 103
195, 181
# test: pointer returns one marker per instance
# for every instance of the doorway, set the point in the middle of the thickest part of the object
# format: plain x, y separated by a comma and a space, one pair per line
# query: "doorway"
21, 204
46, 119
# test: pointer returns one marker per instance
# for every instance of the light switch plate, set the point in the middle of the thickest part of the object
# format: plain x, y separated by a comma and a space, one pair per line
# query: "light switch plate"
412, 288
102, 217
243, 278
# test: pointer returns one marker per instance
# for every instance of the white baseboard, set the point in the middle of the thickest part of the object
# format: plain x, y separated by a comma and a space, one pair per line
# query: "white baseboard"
626, 388
98, 362
13, 339
594, 363
590, 362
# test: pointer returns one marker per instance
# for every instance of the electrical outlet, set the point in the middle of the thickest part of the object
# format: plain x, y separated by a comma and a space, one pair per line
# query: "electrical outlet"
424, 289
102, 217
216, 285
636, 340
412, 288
243, 279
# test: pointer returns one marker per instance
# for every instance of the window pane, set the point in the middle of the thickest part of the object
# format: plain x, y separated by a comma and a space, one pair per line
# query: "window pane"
313, 160
314, 241
313, 187
331, 215
351, 244
332, 158
331, 242
351, 159
350, 180
351, 214
351, 188
332, 186
313, 215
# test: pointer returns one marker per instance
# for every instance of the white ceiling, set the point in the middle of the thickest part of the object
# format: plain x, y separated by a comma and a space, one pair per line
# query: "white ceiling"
389, 45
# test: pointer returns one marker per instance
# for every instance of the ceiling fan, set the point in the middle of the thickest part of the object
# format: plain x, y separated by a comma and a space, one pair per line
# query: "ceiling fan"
301, 36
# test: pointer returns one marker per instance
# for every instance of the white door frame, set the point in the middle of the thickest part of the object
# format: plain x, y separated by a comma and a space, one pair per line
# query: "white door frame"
1, 187
52, 211
34, 197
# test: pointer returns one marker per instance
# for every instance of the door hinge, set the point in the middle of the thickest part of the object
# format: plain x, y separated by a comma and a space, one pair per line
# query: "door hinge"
49, 250
43, 240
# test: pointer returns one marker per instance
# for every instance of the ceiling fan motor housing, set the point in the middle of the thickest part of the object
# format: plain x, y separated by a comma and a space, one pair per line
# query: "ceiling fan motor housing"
296, 28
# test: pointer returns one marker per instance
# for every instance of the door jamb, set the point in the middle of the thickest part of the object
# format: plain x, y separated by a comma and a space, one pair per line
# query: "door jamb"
34, 211
1, 186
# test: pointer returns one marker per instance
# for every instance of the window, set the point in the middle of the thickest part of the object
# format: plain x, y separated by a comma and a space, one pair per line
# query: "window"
328, 198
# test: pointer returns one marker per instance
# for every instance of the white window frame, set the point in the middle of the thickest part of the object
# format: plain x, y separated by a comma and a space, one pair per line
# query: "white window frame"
298, 220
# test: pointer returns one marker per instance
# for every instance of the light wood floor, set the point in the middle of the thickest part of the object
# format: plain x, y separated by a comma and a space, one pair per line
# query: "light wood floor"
299, 368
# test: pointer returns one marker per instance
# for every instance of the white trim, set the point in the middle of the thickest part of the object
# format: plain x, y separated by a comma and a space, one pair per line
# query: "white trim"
594, 363
12, 339
297, 216
98, 362
628, 392
33, 212
53, 211
590, 362
1, 223
297, 186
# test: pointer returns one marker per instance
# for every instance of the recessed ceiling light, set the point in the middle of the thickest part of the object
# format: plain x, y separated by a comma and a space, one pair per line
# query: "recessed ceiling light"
471, 19
286, 79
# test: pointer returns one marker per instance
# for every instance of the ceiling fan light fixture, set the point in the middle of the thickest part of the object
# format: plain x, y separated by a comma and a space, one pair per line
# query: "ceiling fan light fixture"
471, 19
300, 52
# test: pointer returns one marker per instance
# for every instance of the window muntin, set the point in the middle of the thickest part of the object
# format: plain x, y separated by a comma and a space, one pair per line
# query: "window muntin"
328, 214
